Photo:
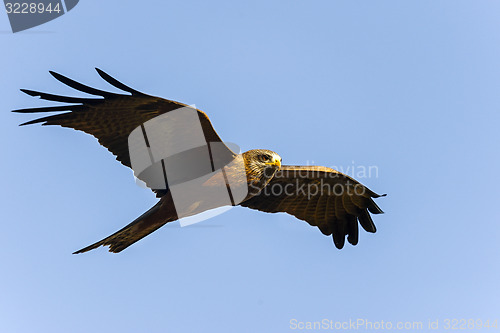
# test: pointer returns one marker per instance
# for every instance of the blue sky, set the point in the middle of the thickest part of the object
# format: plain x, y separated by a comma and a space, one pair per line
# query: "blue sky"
411, 87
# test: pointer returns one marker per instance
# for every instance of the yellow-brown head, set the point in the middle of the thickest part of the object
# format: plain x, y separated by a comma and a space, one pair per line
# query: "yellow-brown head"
260, 165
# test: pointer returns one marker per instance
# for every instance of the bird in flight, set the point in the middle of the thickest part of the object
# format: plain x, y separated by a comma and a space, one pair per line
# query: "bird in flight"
321, 196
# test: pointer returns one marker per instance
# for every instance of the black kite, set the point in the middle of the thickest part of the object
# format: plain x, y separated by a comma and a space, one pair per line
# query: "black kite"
335, 209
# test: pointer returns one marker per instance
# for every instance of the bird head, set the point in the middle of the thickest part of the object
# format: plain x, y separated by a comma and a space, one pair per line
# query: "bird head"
261, 165
262, 158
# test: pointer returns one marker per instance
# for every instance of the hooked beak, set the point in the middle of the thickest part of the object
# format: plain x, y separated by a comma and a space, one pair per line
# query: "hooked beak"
276, 162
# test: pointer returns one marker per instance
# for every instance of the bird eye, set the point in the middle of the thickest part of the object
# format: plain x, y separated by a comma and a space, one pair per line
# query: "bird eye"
265, 158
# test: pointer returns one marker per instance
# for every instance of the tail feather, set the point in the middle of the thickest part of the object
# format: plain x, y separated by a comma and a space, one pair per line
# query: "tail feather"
160, 214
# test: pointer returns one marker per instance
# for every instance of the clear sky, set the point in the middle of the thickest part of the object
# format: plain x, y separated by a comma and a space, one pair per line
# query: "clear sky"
409, 87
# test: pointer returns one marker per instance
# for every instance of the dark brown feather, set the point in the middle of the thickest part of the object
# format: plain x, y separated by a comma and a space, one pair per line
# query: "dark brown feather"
110, 119
334, 212
160, 214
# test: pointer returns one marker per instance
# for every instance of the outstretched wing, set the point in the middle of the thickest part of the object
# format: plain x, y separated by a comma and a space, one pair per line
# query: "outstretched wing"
110, 117
323, 197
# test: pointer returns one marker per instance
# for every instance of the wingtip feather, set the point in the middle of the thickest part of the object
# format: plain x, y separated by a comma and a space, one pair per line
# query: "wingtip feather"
56, 75
117, 84
31, 122
30, 92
